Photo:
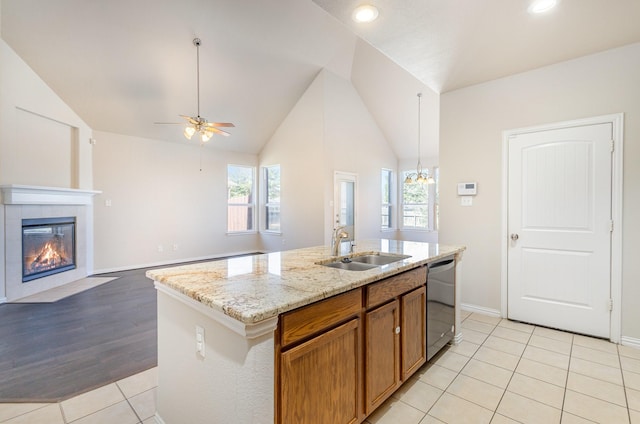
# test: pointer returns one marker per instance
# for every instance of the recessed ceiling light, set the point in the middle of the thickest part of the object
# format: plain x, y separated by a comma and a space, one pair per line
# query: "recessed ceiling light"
541, 6
365, 13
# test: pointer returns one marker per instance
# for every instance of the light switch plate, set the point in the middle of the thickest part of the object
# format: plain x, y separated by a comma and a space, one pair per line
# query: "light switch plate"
200, 344
466, 201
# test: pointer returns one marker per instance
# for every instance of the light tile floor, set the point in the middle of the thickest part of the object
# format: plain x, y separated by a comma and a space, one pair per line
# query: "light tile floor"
503, 372
507, 372
128, 401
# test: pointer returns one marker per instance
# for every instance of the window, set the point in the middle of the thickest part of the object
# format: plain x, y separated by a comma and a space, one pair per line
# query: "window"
271, 175
386, 184
415, 204
240, 198
420, 202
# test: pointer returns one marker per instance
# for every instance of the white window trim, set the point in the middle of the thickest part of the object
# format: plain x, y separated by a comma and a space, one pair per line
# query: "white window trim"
430, 204
252, 204
392, 204
264, 204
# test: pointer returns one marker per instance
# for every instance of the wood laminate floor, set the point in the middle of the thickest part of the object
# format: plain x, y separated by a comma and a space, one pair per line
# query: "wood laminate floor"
50, 352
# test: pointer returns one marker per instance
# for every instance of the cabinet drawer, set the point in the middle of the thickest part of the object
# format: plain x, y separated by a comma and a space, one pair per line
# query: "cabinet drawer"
391, 287
308, 320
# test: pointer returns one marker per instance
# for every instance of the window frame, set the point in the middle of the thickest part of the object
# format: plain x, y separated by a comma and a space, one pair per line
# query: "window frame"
432, 201
251, 205
389, 180
266, 203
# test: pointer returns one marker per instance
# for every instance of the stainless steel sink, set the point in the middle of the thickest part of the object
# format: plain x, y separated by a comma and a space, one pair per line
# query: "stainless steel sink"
350, 266
365, 262
379, 259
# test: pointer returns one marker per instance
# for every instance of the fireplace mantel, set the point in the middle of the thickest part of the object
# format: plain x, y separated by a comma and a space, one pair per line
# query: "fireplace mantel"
14, 194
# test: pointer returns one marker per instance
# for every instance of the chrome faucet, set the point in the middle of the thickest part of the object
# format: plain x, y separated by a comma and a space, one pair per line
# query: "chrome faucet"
336, 239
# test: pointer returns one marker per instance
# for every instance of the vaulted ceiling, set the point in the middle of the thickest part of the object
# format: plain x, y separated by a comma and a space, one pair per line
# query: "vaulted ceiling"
123, 65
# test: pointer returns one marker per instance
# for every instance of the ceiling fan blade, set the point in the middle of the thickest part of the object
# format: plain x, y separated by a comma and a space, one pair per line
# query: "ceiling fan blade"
217, 131
191, 119
219, 124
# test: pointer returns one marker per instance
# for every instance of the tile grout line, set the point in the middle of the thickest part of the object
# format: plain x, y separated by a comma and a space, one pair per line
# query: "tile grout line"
448, 385
510, 378
566, 380
624, 386
128, 403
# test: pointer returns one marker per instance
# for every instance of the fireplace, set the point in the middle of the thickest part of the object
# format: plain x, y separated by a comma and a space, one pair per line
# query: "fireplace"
48, 246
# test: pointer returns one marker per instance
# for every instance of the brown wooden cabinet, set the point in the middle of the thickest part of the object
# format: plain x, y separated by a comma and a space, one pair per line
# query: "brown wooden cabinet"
320, 379
413, 331
319, 362
382, 347
338, 359
395, 345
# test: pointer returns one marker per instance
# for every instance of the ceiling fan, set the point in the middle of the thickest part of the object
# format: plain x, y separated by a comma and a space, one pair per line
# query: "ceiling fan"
198, 124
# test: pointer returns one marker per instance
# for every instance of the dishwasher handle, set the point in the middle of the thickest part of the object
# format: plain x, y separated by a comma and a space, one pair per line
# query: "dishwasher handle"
441, 266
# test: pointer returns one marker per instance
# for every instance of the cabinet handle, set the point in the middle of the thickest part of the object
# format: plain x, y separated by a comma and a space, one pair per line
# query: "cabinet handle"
397, 330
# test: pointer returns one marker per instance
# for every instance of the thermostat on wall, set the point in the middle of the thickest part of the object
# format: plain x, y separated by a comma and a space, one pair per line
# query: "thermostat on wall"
467, 189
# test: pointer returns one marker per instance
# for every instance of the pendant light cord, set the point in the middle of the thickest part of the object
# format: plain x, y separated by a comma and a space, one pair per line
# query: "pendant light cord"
419, 164
196, 42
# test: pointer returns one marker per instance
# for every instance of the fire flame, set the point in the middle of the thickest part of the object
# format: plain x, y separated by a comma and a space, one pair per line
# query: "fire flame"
48, 257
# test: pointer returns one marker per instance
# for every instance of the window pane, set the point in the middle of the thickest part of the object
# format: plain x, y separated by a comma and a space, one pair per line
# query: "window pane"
272, 198
240, 218
272, 217
415, 204
386, 186
347, 203
415, 216
272, 174
240, 198
386, 216
240, 184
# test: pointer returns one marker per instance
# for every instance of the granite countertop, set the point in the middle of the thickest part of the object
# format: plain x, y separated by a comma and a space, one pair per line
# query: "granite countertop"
257, 287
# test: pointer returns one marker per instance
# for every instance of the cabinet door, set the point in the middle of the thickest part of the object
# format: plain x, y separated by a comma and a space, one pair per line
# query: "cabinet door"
382, 366
320, 379
414, 334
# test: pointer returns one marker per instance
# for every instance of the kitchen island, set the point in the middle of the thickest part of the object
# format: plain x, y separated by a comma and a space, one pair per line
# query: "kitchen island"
218, 323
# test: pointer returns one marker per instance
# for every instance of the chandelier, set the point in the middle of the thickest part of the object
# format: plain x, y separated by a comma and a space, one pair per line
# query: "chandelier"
420, 176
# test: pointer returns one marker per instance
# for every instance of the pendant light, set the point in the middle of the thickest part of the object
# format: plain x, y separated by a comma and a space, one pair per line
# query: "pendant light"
419, 176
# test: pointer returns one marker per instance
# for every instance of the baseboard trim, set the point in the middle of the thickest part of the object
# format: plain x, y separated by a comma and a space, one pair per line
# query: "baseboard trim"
481, 310
173, 262
630, 341
158, 419
3, 300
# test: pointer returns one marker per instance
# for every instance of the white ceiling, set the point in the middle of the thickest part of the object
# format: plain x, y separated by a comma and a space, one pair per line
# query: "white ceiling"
449, 44
123, 65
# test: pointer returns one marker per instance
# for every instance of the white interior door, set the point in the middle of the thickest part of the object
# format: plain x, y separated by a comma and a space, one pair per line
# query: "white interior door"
559, 221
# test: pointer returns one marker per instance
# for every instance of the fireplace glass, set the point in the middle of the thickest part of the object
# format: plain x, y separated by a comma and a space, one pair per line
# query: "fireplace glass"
48, 247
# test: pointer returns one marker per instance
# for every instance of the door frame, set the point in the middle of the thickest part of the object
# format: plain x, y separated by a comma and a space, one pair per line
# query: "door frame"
339, 176
617, 123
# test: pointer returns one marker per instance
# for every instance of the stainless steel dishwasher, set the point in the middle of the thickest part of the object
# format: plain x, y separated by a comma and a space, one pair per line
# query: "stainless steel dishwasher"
440, 304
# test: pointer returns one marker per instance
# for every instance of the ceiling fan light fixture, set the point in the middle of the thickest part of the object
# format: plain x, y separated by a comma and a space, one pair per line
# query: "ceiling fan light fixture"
365, 13
541, 6
189, 131
206, 135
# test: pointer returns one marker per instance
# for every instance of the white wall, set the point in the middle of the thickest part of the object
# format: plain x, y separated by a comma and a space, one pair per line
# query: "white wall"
354, 143
297, 146
328, 130
160, 197
42, 141
472, 121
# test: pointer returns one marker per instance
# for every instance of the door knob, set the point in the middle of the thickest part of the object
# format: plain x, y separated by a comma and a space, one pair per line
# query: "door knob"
514, 237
